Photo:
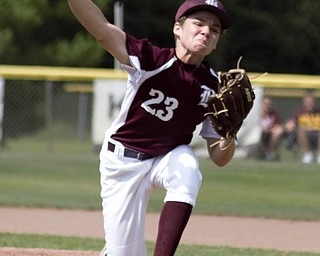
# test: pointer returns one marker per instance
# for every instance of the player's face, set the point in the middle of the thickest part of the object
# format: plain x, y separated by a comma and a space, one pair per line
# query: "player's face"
308, 102
266, 104
199, 33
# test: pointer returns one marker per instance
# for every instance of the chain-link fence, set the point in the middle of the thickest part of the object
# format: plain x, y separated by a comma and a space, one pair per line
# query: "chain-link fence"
48, 109
46, 112
54, 113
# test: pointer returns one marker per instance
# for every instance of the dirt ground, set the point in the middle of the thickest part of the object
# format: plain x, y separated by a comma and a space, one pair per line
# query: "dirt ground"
302, 236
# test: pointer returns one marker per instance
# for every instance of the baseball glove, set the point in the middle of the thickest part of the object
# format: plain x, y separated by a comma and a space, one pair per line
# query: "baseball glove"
232, 103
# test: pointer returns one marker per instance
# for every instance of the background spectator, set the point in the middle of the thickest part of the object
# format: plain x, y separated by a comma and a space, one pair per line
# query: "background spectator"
272, 131
306, 125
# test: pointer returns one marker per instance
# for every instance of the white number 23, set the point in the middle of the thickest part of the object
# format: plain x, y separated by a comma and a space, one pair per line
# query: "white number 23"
157, 98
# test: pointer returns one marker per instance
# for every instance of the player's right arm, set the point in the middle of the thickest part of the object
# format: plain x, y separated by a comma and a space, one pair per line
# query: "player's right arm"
111, 38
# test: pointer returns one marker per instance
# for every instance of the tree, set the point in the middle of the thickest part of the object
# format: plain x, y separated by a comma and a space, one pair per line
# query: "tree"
273, 36
44, 32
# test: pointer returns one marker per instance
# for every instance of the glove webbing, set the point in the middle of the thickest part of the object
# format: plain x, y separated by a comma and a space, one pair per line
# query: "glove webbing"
216, 113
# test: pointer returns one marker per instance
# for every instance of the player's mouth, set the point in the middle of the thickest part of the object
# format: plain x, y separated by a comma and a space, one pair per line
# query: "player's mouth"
202, 42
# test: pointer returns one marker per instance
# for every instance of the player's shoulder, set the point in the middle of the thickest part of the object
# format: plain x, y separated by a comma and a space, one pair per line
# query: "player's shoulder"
144, 44
151, 56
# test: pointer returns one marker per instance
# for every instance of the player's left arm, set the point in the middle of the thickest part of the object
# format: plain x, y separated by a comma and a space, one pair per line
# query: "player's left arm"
222, 151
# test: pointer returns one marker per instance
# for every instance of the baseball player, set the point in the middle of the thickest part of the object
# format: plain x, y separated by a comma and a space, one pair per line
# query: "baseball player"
147, 146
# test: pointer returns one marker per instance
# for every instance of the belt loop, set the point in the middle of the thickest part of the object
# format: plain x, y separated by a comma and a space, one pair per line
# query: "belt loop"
119, 150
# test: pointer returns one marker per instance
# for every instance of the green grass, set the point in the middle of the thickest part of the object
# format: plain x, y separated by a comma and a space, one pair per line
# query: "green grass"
64, 174
284, 190
68, 177
50, 242
45, 180
89, 244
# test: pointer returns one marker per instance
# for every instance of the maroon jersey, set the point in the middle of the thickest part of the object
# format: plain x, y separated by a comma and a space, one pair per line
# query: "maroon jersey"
269, 120
165, 99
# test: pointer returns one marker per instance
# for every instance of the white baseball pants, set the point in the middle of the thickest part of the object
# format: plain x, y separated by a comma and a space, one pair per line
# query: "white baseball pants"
126, 186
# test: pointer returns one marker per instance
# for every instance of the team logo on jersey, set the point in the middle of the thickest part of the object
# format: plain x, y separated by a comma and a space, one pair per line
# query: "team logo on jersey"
212, 2
206, 93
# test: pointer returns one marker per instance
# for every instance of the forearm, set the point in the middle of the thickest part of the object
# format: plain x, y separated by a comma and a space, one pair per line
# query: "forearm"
90, 16
221, 151
110, 37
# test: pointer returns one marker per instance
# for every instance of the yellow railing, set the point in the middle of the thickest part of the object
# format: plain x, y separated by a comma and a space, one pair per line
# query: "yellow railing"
58, 73
292, 81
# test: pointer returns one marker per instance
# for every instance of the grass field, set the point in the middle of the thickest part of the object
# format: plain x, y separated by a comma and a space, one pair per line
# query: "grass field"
89, 244
68, 177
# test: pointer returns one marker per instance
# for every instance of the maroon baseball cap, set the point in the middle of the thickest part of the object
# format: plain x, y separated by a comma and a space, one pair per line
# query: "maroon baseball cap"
213, 6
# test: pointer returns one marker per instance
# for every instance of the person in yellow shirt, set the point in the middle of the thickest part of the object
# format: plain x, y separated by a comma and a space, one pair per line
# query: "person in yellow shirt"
306, 123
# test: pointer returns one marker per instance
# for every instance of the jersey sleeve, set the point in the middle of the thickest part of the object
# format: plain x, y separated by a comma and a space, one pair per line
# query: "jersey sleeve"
207, 131
150, 57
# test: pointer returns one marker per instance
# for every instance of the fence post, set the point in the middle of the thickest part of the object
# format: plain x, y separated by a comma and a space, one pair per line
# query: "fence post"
48, 115
2, 84
118, 21
82, 116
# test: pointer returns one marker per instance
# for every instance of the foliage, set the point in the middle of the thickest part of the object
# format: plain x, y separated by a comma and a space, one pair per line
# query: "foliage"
273, 36
44, 32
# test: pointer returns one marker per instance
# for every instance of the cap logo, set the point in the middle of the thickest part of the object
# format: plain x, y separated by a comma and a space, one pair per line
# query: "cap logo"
212, 2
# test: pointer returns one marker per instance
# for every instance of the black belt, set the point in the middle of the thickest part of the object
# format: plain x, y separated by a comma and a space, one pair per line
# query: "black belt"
127, 152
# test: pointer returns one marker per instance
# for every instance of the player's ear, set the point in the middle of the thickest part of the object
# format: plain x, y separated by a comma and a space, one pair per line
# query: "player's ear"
176, 29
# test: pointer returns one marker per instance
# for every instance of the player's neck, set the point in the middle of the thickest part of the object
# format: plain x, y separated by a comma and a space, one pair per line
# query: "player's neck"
187, 57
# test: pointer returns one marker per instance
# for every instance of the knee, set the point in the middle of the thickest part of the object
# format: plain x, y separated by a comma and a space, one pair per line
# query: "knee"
184, 177
188, 165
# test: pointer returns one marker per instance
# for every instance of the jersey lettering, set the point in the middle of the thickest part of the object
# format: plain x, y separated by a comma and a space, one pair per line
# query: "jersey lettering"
158, 98
206, 93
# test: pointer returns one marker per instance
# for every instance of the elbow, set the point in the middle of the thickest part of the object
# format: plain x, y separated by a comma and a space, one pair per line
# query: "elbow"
220, 161
220, 157
99, 38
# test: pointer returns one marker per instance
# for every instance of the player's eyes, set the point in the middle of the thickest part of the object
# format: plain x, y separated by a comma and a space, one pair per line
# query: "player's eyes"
215, 30
197, 23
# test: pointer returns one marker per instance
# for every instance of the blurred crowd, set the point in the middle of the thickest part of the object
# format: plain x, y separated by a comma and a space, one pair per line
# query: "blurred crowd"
300, 133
